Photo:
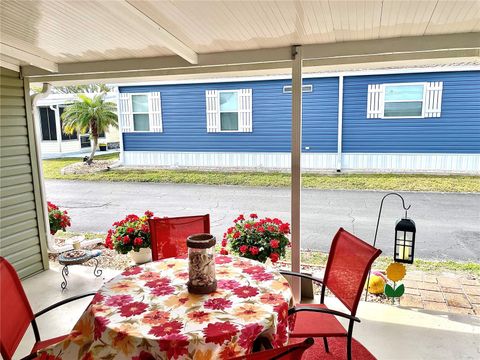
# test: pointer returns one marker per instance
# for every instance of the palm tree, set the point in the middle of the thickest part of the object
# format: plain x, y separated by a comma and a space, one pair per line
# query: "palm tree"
90, 114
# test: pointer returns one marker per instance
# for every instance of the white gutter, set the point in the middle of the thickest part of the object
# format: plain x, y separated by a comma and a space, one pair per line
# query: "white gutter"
340, 123
46, 89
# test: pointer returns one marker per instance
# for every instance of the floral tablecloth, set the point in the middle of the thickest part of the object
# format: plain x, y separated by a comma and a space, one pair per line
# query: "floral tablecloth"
147, 313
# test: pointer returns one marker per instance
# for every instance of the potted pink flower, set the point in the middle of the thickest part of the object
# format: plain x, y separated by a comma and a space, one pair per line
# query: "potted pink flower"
258, 239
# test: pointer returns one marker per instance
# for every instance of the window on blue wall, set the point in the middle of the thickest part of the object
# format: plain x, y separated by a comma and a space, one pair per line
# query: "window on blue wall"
228, 111
403, 100
141, 120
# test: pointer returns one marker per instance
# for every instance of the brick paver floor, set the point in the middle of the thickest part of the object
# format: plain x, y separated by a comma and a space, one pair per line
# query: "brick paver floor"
444, 292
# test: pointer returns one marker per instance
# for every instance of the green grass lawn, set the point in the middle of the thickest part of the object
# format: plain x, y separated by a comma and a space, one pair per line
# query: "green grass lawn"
343, 181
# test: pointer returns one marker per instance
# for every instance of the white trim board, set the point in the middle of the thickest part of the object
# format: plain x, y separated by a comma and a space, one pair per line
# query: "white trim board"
378, 162
305, 76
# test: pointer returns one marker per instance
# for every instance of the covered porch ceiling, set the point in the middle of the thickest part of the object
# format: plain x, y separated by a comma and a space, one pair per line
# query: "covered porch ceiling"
108, 40
61, 41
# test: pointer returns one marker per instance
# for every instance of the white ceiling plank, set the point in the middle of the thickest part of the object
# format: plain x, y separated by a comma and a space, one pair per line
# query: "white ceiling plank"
9, 65
168, 39
459, 16
110, 31
28, 58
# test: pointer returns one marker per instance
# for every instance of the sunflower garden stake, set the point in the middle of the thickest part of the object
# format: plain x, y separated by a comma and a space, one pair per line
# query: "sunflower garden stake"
403, 250
395, 273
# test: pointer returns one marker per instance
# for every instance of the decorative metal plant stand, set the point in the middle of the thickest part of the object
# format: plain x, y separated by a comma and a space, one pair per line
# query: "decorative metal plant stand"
66, 261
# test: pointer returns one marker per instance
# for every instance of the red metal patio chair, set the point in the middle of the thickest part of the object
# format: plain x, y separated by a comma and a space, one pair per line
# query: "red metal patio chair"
169, 235
289, 352
348, 264
16, 314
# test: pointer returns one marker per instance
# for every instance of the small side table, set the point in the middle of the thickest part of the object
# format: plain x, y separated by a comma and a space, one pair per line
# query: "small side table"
66, 261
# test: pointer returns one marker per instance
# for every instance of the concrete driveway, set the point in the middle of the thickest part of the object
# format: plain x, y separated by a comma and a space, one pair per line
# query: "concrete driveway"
448, 225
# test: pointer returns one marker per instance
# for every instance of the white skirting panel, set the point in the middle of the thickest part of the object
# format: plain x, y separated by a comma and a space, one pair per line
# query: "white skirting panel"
51, 147
227, 160
439, 163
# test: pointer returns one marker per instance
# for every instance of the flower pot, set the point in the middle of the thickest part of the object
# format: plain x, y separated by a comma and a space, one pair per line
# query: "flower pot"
142, 256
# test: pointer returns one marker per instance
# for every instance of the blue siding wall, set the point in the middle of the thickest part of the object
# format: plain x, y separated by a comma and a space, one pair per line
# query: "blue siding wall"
456, 131
184, 119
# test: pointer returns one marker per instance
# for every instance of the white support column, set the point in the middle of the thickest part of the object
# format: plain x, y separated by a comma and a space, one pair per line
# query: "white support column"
340, 123
296, 151
58, 127
120, 133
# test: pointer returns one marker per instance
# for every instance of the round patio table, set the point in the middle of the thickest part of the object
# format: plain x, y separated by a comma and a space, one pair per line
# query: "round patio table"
147, 313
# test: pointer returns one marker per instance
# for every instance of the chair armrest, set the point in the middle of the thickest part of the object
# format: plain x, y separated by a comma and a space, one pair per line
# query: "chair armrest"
63, 302
305, 276
322, 310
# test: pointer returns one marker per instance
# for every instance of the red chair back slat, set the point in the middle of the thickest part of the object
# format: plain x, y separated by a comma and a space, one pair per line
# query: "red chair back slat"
15, 311
289, 352
169, 235
348, 264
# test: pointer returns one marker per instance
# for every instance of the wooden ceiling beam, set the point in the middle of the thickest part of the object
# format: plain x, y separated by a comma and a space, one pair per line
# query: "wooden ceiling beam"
353, 52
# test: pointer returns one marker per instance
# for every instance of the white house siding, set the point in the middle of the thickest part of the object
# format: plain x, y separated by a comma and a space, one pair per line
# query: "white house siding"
258, 161
22, 225
65, 146
435, 163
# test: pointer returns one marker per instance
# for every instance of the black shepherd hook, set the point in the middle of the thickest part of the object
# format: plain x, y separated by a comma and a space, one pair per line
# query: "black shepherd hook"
378, 223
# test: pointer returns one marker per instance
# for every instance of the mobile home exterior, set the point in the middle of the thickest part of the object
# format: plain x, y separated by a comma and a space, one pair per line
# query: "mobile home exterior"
410, 120
49, 127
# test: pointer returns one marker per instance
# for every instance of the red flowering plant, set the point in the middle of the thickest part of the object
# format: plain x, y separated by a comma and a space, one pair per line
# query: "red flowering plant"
258, 239
131, 233
58, 219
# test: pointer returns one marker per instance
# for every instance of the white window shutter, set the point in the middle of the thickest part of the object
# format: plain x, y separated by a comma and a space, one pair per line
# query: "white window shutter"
433, 99
245, 110
125, 112
213, 110
375, 101
155, 111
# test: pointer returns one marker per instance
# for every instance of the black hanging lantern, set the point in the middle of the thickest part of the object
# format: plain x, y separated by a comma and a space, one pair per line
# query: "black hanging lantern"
404, 241
404, 236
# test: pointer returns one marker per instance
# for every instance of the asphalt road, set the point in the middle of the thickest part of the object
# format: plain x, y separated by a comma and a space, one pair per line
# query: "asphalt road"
448, 225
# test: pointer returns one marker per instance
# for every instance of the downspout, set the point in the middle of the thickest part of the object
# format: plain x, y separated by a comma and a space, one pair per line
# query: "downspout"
47, 88
340, 123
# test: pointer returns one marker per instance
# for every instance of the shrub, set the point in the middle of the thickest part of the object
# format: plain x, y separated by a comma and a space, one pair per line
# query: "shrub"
257, 239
